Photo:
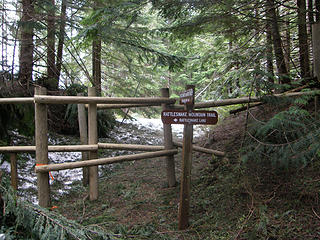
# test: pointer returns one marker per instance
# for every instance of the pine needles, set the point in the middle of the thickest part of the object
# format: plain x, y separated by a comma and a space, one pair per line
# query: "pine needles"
23, 220
291, 138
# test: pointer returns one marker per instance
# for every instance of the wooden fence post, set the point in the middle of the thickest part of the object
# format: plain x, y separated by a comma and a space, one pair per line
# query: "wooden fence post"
183, 213
41, 125
168, 143
83, 129
316, 49
93, 139
14, 171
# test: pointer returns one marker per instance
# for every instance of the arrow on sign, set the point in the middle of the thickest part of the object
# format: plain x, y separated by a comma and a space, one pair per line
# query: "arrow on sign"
189, 117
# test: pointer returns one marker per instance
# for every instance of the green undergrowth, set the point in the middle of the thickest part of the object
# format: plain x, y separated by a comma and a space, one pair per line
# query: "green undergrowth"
228, 201
20, 219
230, 198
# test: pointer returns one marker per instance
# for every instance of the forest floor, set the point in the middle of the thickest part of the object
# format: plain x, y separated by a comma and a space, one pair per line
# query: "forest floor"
229, 200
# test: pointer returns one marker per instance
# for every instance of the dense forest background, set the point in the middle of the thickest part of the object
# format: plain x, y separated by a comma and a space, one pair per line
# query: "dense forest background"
268, 182
226, 49
132, 48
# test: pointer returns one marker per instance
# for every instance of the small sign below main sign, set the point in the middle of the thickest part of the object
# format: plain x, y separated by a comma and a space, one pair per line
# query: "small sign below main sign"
189, 117
187, 97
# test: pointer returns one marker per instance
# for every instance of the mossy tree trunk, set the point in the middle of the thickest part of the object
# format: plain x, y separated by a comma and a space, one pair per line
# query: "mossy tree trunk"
26, 43
277, 42
96, 59
303, 40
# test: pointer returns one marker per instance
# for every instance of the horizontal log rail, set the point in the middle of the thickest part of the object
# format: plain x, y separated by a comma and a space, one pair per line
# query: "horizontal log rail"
226, 102
82, 148
241, 100
133, 147
117, 106
94, 147
103, 161
107, 100
109, 103
61, 148
202, 149
16, 100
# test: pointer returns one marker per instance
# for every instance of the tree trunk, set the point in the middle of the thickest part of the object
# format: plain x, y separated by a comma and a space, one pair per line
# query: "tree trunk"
277, 43
316, 49
287, 47
61, 38
269, 54
310, 13
96, 58
303, 40
26, 45
51, 83
4, 39
318, 10
96, 64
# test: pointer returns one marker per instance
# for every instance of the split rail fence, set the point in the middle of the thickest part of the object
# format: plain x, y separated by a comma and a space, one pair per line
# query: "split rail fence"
43, 167
89, 139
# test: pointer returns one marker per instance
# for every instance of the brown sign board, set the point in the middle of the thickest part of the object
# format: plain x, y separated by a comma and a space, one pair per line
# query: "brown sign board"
187, 97
189, 117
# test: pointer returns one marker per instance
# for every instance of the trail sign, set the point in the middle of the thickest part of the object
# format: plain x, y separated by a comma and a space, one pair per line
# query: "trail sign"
189, 117
187, 97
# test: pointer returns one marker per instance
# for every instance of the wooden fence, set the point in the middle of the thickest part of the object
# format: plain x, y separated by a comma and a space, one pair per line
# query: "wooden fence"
90, 142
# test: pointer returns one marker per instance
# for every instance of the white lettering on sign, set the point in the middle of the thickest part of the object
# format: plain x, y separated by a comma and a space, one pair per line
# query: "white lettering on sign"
189, 117
188, 93
185, 100
175, 114
196, 114
188, 120
211, 114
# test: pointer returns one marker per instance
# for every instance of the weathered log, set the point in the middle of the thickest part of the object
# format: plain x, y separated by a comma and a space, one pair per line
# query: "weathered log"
57, 148
186, 166
103, 161
94, 147
242, 100
234, 111
117, 106
16, 100
168, 143
202, 149
83, 130
14, 171
41, 135
106, 100
132, 147
93, 139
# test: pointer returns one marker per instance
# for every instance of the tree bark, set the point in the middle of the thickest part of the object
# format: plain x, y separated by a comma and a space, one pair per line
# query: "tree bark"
277, 43
318, 10
269, 54
4, 40
311, 21
303, 40
61, 38
96, 64
310, 13
52, 82
288, 46
26, 45
96, 58
316, 49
